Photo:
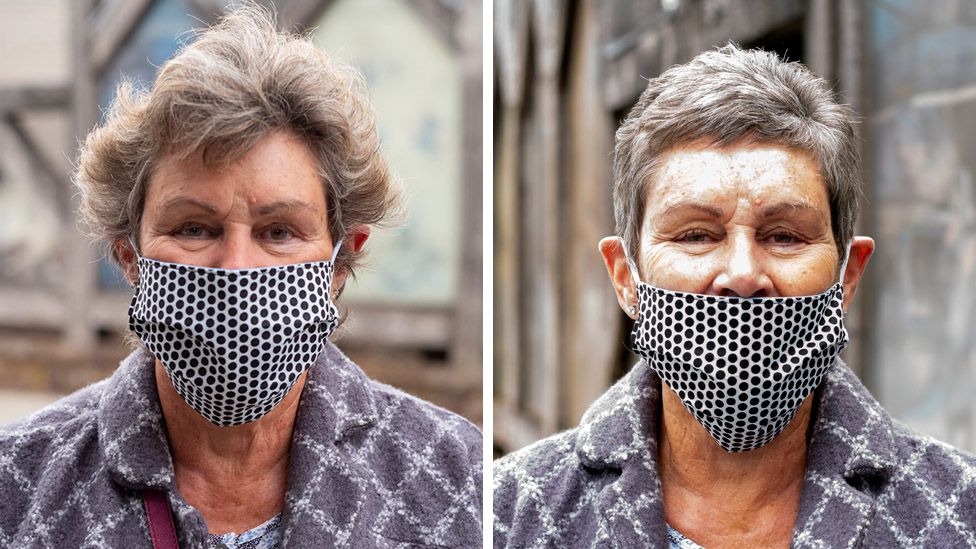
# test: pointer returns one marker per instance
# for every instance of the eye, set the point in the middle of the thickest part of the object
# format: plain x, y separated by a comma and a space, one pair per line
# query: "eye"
279, 233
193, 230
695, 236
783, 238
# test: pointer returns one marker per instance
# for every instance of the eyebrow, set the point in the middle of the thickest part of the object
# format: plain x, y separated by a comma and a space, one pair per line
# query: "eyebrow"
265, 209
182, 201
710, 211
799, 206
287, 205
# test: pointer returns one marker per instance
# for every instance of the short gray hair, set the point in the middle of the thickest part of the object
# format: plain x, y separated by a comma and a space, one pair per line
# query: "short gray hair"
238, 82
726, 96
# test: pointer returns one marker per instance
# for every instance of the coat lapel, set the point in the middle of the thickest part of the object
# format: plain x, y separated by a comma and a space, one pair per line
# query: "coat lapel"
132, 437
617, 438
327, 490
850, 460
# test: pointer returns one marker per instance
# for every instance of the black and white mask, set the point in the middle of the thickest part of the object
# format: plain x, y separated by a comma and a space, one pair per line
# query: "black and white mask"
234, 342
741, 366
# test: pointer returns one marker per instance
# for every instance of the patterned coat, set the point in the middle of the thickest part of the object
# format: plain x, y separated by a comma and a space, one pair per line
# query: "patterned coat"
870, 482
370, 467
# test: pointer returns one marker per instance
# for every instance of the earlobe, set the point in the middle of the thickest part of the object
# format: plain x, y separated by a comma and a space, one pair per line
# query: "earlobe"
127, 259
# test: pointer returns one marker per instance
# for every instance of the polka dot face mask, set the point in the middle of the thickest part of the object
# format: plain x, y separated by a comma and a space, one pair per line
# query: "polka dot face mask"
234, 342
741, 366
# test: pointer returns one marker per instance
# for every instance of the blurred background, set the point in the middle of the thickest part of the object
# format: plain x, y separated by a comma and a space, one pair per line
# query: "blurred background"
415, 311
567, 73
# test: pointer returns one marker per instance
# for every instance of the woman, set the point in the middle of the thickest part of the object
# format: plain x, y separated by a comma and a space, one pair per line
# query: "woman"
237, 196
735, 195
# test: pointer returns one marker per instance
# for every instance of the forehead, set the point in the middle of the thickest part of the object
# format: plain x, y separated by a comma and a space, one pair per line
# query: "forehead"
754, 171
279, 165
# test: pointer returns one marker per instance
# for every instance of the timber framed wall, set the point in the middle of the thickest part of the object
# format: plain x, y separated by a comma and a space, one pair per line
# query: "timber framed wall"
60, 338
566, 73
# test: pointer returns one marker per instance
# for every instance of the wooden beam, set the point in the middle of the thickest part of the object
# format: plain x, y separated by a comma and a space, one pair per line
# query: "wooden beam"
818, 38
591, 317
511, 430
79, 258
18, 99
301, 15
511, 22
445, 20
50, 180
469, 309
111, 30
636, 50
401, 326
29, 308
544, 341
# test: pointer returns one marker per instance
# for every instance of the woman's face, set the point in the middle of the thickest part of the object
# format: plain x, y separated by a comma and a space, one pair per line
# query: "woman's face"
748, 221
267, 208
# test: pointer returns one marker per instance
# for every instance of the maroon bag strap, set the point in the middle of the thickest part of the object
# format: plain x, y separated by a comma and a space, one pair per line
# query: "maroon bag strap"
161, 527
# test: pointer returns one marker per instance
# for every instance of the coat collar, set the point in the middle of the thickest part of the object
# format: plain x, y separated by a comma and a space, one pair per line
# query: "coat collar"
337, 399
131, 430
618, 435
326, 480
850, 458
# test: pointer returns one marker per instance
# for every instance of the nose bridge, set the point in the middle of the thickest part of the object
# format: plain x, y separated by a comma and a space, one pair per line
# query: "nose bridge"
742, 256
237, 249
743, 274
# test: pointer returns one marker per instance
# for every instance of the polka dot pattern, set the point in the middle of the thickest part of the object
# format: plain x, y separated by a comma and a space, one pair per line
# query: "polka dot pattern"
233, 342
741, 366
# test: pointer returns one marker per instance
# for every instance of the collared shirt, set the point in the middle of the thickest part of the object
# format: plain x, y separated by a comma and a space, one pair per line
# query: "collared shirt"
370, 466
677, 540
263, 536
870, 482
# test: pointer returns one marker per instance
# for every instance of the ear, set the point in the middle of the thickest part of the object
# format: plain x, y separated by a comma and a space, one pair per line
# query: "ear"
355, 240
614, 256
862, 248
127, 258
357, 236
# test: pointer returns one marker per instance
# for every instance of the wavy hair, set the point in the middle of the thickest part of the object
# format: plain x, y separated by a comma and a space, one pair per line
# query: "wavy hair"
234, 84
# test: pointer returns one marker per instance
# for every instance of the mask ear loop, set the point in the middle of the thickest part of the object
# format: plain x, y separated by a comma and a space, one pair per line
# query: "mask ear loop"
632, 309
335, 251
633, 271
135, 249
843, 265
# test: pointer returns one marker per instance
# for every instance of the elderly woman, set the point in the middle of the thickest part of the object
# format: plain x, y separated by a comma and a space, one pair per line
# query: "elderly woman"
735, 195
237, 195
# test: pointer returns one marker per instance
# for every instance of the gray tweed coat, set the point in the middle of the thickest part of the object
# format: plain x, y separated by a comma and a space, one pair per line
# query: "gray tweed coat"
870, 482
370, 467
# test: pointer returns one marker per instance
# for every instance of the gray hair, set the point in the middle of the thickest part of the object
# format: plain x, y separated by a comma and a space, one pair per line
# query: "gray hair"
728, 96
238, 82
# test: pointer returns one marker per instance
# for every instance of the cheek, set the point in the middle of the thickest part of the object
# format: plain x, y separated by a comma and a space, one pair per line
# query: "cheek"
673, 271
803, 278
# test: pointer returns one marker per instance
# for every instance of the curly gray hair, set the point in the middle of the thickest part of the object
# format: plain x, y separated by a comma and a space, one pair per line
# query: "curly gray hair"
727, 96
239, 81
